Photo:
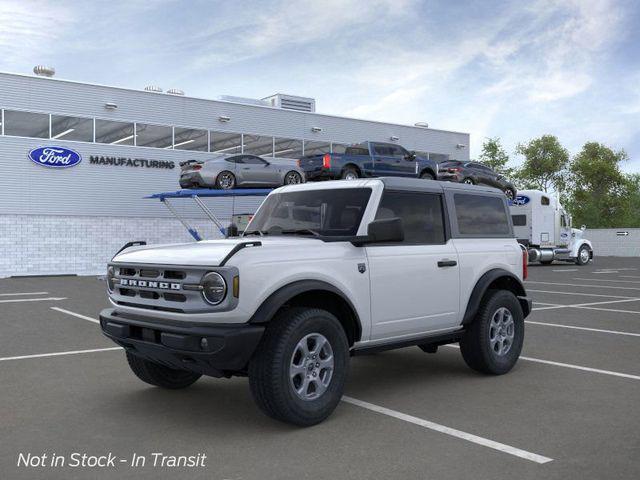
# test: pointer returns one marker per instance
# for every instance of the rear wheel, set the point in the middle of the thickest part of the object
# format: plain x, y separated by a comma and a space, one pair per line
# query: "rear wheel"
159, 375
350, 173
427, 176
292, 178
468, 181
298, 372
584, 255
493, 341
225, 180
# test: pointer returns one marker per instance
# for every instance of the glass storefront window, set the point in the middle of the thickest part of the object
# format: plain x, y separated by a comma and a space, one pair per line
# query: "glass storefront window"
190, 139
226, 143
157, 136
26, 124
71, 128
115, 133
316, 148
258, 145
287, 148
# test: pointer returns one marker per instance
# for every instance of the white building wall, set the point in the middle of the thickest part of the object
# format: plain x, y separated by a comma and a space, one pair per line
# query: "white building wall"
611, 242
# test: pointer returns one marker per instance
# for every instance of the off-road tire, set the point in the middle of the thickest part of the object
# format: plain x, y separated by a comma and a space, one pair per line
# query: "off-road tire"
159, 375
579, 260
349, 172
427, 176
269, 368
475, 344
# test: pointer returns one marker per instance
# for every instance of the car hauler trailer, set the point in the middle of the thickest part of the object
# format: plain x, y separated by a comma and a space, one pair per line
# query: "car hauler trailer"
543, 226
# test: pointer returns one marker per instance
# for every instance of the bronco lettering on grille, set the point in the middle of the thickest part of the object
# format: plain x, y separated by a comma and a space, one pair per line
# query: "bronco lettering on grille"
147, 284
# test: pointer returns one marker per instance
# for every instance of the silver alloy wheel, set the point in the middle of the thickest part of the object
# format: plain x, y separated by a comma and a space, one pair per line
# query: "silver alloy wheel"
468, 181
584, 255
351, 176
226, 180
501, 331
311, 367
292, 178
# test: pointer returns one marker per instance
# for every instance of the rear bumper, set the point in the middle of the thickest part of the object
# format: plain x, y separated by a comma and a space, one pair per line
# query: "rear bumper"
214, 349
320, 174
449, 177
194, 179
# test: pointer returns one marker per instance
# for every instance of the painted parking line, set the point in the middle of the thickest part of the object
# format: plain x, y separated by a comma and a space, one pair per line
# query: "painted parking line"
573, 367
74, 314
566, 270
485, 442
59, 354
585, 286
634, 312
606, 280
578, 293
629, 276
586, 329
22, 293
586, 305
47, 299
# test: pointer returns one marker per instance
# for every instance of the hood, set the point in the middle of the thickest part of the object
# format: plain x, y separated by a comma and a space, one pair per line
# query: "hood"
205, 253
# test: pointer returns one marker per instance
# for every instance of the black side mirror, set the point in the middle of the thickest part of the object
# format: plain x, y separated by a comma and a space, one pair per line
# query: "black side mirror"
232, 231
410, 156
383, 230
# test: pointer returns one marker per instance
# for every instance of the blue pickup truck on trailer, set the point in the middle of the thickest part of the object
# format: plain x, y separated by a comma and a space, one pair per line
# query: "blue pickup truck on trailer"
368, 159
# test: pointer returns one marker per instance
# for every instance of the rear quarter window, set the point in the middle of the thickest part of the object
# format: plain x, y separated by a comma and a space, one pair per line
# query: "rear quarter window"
481, 216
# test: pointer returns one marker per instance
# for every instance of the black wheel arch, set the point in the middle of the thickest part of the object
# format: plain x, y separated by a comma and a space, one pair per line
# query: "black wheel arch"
495, 279
354, 167
312, 293
429, 170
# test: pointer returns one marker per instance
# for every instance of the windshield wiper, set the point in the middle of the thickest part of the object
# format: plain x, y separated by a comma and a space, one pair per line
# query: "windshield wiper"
301, 231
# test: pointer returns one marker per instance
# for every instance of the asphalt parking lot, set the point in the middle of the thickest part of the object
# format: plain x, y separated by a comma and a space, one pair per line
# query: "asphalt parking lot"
570, 408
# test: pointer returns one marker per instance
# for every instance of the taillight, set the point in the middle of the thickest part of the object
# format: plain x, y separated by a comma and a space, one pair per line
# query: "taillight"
196, 167
453, 170
326, 161
525, 263
298, 162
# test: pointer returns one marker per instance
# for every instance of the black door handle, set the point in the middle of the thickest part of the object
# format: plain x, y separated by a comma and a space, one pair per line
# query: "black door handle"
447, 263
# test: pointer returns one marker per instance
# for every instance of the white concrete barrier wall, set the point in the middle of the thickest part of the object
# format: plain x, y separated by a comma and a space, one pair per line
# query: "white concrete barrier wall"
614, 242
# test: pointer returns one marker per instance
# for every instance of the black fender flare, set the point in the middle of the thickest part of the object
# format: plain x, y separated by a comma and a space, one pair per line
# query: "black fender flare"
280, 297
430, 170
482, 285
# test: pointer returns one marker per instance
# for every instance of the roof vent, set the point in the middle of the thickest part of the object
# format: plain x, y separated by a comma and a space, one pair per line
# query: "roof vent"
244, 100
175, 91
422, 124
153, 88
43, 71
291, 102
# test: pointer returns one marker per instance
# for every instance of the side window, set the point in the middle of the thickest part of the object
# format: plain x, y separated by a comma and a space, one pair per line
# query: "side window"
519, 220
234, 159
481, 215
397, 151
544, 201
421, 215
252, 160
381, 150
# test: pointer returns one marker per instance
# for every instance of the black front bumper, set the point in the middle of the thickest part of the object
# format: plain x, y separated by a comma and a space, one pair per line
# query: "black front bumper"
214, 349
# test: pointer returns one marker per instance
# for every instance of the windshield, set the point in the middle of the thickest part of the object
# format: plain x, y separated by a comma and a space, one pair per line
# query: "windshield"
328, 212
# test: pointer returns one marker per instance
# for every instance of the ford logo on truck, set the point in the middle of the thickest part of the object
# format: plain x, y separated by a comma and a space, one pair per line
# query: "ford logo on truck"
55, 157
520, 200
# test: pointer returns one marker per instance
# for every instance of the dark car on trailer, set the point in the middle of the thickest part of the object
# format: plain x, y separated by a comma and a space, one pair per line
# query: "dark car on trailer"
368, 159
474, 173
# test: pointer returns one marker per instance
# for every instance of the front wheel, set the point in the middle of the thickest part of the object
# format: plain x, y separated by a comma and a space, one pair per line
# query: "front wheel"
584, 255
493, 341
292, 178
159, 375
225, 180
298, 372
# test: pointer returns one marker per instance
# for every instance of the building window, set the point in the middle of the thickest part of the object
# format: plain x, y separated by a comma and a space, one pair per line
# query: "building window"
26, 124
316, 148
115, 133
287, 148
190, 139
258, 145
71, 128
157, 136
225, 143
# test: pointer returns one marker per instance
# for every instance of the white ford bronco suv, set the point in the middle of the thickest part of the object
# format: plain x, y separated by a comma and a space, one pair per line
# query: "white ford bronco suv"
323, 272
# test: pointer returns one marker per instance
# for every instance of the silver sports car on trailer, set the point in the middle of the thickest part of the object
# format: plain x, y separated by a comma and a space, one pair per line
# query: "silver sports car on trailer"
231, 171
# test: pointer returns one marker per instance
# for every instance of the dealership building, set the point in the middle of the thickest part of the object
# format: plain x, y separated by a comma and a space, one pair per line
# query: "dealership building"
128, 144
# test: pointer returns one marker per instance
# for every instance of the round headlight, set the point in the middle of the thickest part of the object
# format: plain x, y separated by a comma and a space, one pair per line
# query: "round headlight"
214, 288
111, 272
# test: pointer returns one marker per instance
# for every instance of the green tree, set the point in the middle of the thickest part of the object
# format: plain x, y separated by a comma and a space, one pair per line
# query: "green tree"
494, 156
545, 164
600, 194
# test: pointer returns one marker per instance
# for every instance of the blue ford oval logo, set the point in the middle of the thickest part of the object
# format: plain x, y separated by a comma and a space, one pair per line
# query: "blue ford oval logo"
520, 200
55, 157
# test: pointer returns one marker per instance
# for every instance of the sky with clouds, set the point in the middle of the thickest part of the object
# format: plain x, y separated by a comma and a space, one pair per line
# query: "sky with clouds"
510, 69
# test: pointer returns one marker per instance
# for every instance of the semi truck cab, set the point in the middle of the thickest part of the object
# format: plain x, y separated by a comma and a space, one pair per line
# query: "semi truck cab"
544, 227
